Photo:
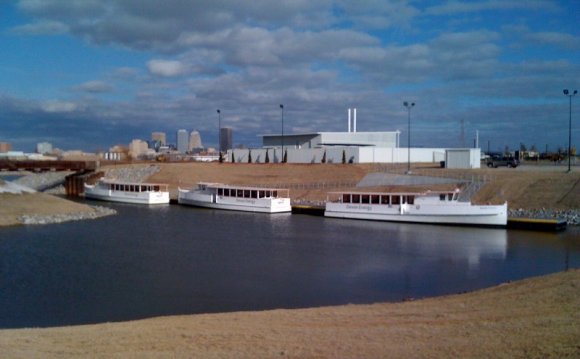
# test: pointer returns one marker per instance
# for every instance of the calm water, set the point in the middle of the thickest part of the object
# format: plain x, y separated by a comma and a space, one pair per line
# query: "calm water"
156, 261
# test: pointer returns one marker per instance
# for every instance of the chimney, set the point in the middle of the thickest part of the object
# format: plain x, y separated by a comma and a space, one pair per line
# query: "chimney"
349, 120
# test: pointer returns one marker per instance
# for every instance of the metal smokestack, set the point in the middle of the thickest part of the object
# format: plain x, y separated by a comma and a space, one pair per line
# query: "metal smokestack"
354, 121
349, 120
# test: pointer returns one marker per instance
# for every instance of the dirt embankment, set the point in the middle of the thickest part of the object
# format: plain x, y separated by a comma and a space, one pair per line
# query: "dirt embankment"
534, 318
14, 206
527, 189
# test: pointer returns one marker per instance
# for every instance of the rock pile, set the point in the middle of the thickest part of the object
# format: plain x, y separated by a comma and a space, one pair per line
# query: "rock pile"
43, 181
572, 216
59, 218
131, 174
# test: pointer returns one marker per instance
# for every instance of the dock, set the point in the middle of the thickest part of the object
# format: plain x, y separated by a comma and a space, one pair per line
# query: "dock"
306, 209
546, 225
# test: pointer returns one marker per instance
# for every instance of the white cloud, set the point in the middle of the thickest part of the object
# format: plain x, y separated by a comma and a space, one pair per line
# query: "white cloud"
457, 7
59, 106
562, 40
41, 28
166, 68
95, 87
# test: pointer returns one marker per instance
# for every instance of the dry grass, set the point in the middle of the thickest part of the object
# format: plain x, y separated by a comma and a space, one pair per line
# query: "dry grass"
534, 318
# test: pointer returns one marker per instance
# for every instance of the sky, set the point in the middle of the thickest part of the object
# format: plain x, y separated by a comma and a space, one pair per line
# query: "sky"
91, 74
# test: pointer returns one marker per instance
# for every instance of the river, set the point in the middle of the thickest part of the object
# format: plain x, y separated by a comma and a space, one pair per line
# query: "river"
168, 260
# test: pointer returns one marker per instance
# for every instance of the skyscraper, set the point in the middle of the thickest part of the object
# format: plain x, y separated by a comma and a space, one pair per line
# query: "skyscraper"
194, 141
226, 139
182, 141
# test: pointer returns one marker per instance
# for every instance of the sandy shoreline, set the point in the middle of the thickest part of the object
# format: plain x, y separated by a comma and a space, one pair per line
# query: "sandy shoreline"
533, 318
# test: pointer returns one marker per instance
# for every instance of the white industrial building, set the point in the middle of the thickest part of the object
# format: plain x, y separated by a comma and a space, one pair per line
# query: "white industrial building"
328, 139
351, 147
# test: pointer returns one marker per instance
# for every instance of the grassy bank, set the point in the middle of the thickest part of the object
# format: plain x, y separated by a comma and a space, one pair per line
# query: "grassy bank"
533, 318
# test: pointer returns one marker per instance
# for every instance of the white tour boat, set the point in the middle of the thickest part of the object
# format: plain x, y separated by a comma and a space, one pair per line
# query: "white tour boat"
236, 198
437, 207
139, 193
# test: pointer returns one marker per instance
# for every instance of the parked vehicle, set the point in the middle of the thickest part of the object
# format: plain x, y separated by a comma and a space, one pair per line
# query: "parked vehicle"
496, 161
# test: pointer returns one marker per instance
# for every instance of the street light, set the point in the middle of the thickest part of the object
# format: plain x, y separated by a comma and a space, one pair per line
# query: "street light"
282, 110
567, 93
409, 106
219, 131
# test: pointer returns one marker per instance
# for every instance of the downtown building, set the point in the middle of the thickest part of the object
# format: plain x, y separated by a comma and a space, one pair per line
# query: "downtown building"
226, 139
182, 141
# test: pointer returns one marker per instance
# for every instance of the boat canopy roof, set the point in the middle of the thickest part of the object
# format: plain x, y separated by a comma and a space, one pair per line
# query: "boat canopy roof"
110, 181
423, 193
221, 185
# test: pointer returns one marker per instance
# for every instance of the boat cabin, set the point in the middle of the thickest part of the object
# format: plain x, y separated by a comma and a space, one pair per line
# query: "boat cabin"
134, 187
383, 198
243, 192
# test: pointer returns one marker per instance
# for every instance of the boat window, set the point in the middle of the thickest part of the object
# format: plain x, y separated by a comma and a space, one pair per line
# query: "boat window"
268, 194
220, 191
396, 200
275, 194
442, 197
450, 196
385, 200
247, 193
455, 196
260, 194
356, 198
375, 199
411, 199
365, 198
240, 193
346, 198
254, 194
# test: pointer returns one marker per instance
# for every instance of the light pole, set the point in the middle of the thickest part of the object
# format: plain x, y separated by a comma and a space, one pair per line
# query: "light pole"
282, 110
567, 93
409, 106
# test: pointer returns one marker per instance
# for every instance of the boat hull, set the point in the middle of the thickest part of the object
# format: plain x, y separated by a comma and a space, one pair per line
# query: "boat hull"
259, 205
134, 198
465, 214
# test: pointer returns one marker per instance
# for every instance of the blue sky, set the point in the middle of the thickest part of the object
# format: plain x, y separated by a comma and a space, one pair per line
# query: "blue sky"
95, 73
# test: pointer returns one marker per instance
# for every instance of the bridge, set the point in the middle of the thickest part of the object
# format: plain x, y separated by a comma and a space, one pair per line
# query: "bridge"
42, 166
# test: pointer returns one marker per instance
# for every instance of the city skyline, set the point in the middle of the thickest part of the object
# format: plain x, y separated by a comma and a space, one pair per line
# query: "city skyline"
90, 75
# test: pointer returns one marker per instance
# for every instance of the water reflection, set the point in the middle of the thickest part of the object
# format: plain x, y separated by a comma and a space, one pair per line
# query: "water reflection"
166, 260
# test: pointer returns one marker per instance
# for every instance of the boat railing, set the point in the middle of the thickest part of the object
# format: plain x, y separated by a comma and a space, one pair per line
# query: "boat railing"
309, 185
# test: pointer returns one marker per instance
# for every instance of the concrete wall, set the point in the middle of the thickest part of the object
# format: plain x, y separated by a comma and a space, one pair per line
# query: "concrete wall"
359, 155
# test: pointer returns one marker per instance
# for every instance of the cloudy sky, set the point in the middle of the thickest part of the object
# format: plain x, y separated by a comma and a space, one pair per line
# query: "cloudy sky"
90, 74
